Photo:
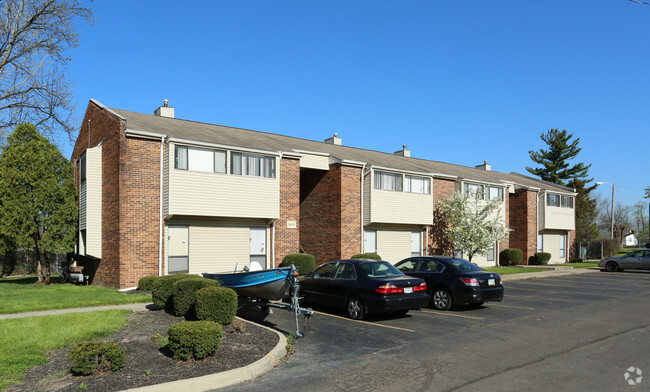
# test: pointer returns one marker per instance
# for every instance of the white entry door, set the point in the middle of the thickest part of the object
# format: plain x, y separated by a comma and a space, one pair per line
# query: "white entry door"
415, 243
258, 245
179, 249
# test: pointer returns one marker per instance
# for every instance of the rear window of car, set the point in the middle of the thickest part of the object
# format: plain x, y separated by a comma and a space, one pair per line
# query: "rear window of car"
380, 270
464, 265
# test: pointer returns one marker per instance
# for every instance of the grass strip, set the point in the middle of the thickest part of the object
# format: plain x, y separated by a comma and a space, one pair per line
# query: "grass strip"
24, 342
22, 295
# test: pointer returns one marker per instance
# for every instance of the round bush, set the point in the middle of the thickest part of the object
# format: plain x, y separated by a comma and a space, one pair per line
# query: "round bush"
510, 256
218, 304
146, 282
162, 290
372, 256
194, 339
184, 296
541, 258
303, 261
91, 357
576, 260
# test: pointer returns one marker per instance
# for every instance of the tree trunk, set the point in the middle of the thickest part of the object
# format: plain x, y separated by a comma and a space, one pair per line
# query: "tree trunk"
46, 261
39, 266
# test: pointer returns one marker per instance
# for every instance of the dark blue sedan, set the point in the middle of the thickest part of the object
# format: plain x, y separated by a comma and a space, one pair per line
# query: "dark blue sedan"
452, 281
363, 286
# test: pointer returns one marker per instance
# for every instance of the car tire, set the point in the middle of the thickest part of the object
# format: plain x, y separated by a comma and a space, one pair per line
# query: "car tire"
441, 299
611, 266
355, 308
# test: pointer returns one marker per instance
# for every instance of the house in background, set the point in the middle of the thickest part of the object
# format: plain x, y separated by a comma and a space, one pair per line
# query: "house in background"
630, 240
160, 195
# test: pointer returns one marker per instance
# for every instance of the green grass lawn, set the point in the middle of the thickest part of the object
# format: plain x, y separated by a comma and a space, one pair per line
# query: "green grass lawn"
584, 264
512, 270
22, 295
24, 342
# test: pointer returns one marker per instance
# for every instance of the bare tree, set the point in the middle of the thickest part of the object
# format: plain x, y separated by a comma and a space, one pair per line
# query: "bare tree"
35, 37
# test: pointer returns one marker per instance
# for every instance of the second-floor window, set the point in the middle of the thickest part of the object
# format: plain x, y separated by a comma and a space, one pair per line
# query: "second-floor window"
415, 184
559, 201
388, 181
252, 165
483, 192
200, 159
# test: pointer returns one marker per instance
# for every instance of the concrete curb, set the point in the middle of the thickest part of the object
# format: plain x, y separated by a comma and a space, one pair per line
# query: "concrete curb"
547, 274
227, 378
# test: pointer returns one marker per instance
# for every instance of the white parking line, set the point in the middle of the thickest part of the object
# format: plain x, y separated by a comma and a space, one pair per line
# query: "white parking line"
364, 322
509, 306
450, 314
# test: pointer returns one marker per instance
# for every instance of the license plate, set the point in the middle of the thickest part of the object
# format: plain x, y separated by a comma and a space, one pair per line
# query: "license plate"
408, 290
491, 282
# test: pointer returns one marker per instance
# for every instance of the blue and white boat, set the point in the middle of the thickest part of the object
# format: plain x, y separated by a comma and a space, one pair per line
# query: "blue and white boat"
269, 284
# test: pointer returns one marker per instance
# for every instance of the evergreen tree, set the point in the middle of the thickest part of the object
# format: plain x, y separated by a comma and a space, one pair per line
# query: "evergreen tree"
555, 167
37, 196
586, 212
647, 193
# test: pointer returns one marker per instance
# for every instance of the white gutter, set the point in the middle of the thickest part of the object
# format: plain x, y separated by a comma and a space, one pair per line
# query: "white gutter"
104, 107
143, 134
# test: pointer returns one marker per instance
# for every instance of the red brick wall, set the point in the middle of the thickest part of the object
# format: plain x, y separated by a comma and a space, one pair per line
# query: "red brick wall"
523, 222
139, 210
436, 243
286, 239
330, 212
107, 129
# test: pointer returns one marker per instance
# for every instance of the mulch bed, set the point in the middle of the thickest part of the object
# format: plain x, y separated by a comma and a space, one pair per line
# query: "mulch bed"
149, 363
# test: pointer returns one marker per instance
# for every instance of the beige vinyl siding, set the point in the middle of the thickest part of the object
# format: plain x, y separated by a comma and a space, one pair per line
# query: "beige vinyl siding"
166, 170
558, 218
313, 161
399, 207
219, 246
93, 202
394, 243
366, 199
83, 204
222, 195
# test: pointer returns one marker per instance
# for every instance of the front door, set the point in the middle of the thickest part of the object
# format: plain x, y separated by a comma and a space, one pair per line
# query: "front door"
415, 243
178, 239
258, 245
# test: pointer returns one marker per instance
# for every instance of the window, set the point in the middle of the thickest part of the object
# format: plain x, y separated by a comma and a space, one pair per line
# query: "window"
562, 246
252, 165
200, 159
82, 168
416, 184
490, 253
458, 253
474, 190
408, 265
553, 200
388, 181
540, 243
566, 202
324, 271
495, 193
345, 271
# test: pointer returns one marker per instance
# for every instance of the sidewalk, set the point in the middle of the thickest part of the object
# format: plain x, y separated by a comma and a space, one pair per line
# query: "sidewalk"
140, 307
562, 271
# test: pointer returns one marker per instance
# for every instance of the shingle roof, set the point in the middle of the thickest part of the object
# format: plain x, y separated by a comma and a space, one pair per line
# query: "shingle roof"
245, 138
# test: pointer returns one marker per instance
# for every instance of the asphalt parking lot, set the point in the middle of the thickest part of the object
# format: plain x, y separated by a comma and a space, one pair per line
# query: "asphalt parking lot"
569, 333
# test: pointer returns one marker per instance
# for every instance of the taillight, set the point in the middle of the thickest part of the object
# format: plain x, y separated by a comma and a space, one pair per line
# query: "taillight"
388, 289
421, 287
470, 281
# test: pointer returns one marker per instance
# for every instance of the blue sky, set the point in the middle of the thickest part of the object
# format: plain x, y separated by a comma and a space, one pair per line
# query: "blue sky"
456, 81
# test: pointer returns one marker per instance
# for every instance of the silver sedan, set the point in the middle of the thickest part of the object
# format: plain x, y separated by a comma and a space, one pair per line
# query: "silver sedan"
638, 259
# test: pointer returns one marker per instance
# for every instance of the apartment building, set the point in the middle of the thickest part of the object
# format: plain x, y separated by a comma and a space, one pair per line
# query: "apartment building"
161, 195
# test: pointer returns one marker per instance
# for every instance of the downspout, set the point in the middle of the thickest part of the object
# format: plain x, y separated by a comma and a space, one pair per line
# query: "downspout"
161, 224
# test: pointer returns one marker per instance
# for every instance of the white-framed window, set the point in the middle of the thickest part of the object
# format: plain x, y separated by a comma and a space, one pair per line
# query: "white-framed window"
370, 241
252, 165
416, 184
474, 190
199, 159
553, 200
495, 193
388, 181
82, 168
566, 201
562, 246
540, 243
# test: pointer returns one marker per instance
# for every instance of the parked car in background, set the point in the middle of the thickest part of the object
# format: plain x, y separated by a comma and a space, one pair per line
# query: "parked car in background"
363, 286
451, 281
638, 259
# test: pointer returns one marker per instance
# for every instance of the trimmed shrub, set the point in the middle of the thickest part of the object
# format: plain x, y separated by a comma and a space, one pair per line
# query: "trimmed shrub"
92, 357
647, 245
541, 258
372, 256
146, 282
184, 296
576, 260
303, 261
218, 304
510, 256
162, 290
194, 339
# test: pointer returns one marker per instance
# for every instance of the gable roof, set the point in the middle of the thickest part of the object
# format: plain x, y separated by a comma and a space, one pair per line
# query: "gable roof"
246, 138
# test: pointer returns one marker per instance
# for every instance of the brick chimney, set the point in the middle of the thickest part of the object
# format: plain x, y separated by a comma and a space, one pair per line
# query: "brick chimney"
164, 110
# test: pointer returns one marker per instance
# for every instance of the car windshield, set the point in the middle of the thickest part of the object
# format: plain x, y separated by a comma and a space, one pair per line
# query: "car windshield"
464, 266
380, 269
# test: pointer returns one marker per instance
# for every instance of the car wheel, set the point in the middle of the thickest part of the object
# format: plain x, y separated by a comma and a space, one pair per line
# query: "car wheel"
355, 308
441, 299
611, 267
